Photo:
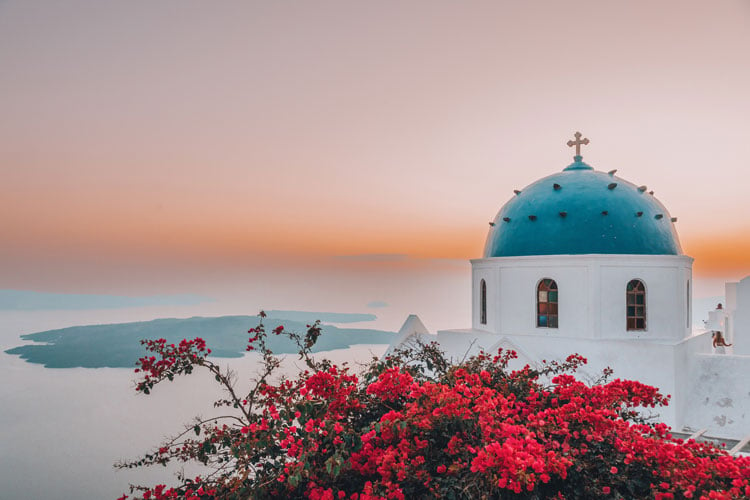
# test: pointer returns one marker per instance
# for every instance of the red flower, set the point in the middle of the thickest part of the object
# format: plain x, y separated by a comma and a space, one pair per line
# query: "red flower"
498, 432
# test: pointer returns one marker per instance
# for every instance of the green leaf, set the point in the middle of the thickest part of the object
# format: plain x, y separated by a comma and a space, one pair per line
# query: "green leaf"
197, 430
294, 480
329, 465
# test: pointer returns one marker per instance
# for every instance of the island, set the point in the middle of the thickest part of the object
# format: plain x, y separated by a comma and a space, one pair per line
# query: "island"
118, 345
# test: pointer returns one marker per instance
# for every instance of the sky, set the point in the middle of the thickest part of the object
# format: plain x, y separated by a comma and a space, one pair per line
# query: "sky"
154, 147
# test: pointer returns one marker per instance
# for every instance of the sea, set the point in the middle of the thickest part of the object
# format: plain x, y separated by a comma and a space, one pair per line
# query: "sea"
62, 430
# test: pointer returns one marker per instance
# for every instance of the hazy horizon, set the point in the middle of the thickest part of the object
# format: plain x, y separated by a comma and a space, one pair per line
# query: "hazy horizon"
167, 147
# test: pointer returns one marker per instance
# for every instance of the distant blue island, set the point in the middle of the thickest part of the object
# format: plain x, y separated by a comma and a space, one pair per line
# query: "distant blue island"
118, 345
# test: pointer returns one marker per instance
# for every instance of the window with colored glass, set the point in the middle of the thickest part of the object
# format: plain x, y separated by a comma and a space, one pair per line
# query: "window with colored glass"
546, 304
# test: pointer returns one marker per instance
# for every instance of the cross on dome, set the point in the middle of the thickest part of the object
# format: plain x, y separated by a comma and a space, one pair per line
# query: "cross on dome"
577, 143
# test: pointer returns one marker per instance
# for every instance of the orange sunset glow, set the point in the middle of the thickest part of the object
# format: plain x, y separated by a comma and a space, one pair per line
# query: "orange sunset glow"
172, 142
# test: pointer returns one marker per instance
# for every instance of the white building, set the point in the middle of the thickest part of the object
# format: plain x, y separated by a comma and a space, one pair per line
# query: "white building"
584, 261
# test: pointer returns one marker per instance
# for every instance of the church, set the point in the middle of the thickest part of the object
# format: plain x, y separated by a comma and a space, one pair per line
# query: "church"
584, 261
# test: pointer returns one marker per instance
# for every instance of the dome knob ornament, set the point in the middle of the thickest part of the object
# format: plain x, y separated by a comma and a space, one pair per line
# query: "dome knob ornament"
577, 143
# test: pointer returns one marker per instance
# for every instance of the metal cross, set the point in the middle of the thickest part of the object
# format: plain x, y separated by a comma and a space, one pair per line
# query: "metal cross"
577, 143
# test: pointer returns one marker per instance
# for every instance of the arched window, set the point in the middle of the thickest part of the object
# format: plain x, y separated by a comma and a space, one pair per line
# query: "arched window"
636, 301
483, 302
546, 304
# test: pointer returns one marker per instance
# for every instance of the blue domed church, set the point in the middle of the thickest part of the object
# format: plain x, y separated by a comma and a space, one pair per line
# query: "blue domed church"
584, 261
583, 254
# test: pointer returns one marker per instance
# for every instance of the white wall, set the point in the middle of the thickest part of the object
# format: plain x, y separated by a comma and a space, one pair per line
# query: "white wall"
592, 300
666, 297
730, 294
684, 356
719, 395
741, 326
490, 276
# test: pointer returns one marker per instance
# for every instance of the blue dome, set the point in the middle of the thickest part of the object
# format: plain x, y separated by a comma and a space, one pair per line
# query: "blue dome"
582, 211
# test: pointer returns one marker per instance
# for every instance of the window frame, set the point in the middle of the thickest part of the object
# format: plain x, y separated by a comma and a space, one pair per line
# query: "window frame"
547, 309
637, 321
482, 302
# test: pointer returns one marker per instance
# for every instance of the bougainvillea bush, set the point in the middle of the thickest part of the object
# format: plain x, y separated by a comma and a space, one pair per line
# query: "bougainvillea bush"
413, 425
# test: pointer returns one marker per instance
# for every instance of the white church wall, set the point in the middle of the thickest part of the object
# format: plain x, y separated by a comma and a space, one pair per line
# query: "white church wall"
666, 309
518, 289
684, 355
490, 275
592, 294
513, 308
719, 395
741, 326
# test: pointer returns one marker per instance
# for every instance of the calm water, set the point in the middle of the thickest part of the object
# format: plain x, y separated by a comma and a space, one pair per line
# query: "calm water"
62, 429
